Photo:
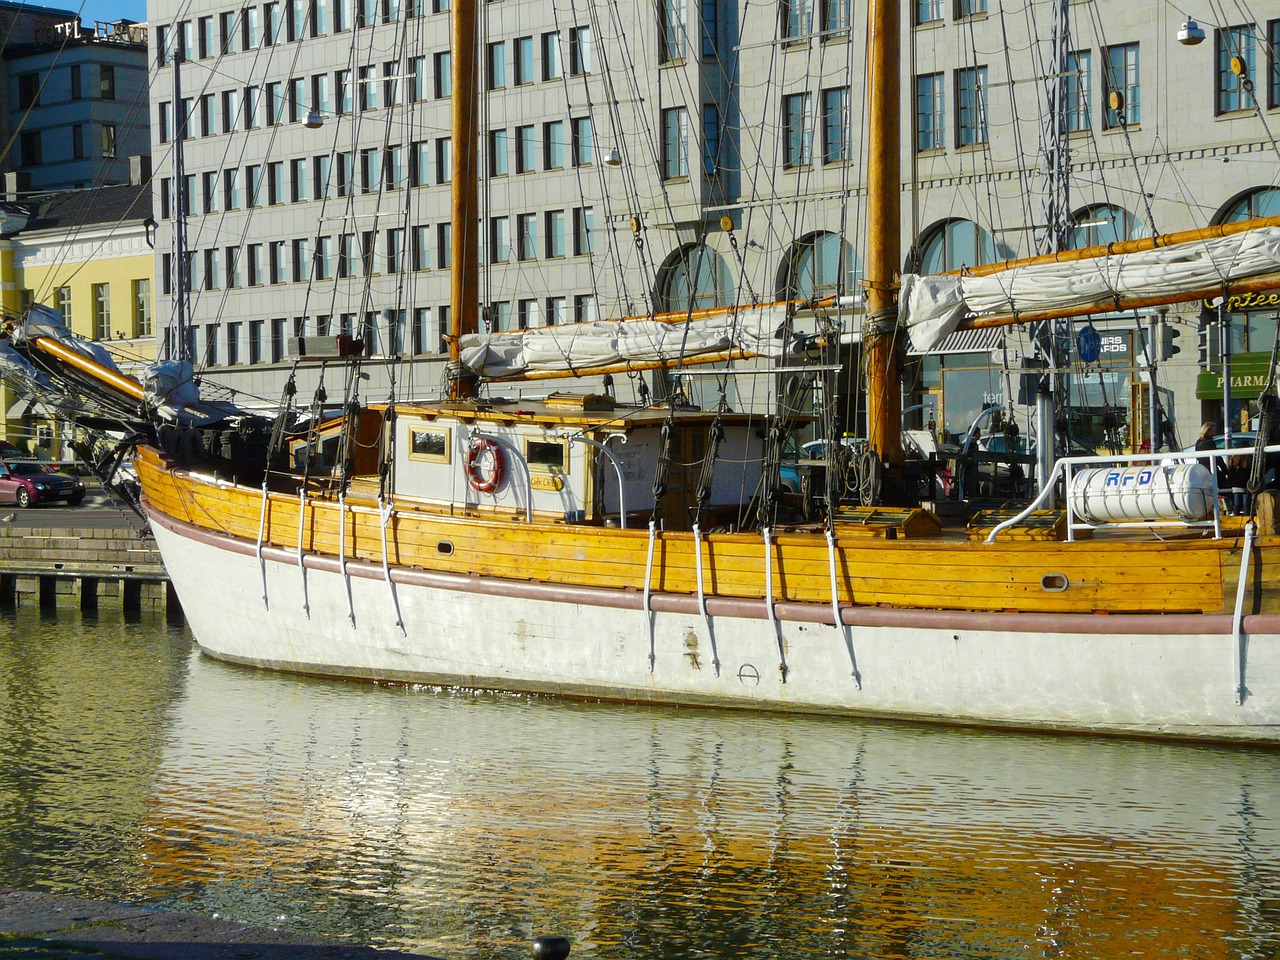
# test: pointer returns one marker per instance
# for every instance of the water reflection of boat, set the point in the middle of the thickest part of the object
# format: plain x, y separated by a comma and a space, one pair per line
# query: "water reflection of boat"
461, 825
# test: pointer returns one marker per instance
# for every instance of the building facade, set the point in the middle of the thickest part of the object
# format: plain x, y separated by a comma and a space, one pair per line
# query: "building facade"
643, 158
88, 254
75, 104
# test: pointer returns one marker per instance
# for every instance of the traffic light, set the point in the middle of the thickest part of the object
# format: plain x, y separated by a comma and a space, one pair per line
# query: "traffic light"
1169, 341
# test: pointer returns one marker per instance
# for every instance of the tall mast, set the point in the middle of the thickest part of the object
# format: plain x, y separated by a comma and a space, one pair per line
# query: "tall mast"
880, 343
465, 266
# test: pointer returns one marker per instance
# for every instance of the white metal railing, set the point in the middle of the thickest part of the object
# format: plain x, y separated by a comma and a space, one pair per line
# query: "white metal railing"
1068, 466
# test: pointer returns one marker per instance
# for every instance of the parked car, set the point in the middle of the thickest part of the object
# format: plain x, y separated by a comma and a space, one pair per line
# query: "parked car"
10, 452
27, 483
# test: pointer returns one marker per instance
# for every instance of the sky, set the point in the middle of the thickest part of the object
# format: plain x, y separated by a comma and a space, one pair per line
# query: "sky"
105, 10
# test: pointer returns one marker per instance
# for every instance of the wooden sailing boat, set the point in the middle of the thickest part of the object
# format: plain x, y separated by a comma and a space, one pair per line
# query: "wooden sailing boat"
575, 546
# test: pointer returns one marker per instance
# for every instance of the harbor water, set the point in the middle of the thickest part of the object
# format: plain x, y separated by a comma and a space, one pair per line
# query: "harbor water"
461, 825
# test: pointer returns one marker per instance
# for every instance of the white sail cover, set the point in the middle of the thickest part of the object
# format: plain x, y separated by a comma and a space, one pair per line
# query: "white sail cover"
170, 382
582, 347
933, 306
42, 321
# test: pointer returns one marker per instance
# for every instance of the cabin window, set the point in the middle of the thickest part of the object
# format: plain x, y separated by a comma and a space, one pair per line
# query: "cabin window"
430, 444
545, 456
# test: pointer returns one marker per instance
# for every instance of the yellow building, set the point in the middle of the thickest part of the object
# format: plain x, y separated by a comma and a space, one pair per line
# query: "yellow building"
88, 254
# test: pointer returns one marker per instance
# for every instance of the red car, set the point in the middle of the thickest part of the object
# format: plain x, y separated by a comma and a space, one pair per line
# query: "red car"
26, 482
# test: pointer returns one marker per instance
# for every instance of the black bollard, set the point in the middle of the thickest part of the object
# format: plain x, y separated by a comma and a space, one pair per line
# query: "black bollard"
550, 948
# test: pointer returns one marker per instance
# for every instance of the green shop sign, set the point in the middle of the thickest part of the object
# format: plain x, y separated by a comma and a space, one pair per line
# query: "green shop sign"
1249, 374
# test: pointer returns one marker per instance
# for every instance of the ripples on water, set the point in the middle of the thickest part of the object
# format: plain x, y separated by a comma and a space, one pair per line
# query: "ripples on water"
462, 825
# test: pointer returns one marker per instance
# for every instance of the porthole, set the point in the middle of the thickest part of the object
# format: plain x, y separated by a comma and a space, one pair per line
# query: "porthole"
444, 548
1054, 582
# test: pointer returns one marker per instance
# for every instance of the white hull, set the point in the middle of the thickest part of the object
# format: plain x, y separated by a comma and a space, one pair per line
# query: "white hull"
1160, 676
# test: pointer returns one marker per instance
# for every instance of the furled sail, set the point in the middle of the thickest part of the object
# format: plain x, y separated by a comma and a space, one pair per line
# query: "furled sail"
933, 306
582, 348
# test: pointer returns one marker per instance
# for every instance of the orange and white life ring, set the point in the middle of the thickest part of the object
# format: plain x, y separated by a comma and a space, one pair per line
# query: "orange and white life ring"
485, 464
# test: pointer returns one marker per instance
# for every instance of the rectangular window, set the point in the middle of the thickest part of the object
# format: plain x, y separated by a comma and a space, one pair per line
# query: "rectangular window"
346, 172
528, 314
931, 112
1121, 77
231, 189
253, 183
584, 308
527, 236
928, 11
108, 139
77, 141
391, 90
835, 125
370, 169
497, 65
345, 90
341, 15
583, 146
297, 99
556, 311
324, 258
252, 108
228, 32
208, 119
296, 19
212, 273
419, 164
142, 325
253, 264
583, 225
523, 52
420, 247
500, 315
710, 29
232, 260
230, 110
393, 168
395, 250
272, 20
444, 247
497, 153
422, 339
298, 180
1273, 64
969, 8
417, 79
555, 233
346, 256
74, 72
675, 143
971, 106
277, 339
299, 261
581, 51
31, 149
321, 168
62, 303
368, 250
209, 190
106, 81
499, 240
275, 261
255, 341
444, 160
102, 311
798, 18
251, 28
673, 37
319, 18
1236, 44
444, 74
551, 56
710, 139
1077, 90
320, 93
553, 145
275, 182
368, 87
797, 130
210, 358
526, 149
835, 17
205, 43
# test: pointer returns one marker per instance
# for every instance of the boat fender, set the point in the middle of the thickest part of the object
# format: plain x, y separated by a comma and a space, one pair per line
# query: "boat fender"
478, 450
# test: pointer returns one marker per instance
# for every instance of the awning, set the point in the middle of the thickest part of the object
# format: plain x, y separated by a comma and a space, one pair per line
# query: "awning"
22, 408
966, 341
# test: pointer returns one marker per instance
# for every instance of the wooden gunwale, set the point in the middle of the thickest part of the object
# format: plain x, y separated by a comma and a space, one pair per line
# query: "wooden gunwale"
919, 573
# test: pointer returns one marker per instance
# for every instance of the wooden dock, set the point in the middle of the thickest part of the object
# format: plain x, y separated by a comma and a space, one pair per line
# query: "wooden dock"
54, 565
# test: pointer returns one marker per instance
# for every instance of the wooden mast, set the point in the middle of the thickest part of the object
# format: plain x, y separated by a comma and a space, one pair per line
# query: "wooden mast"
880, 343
464, 275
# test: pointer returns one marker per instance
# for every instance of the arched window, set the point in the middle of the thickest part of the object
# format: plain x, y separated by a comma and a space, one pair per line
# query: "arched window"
694, 277
1262, 202
1101, 224
819, 265
956, 244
